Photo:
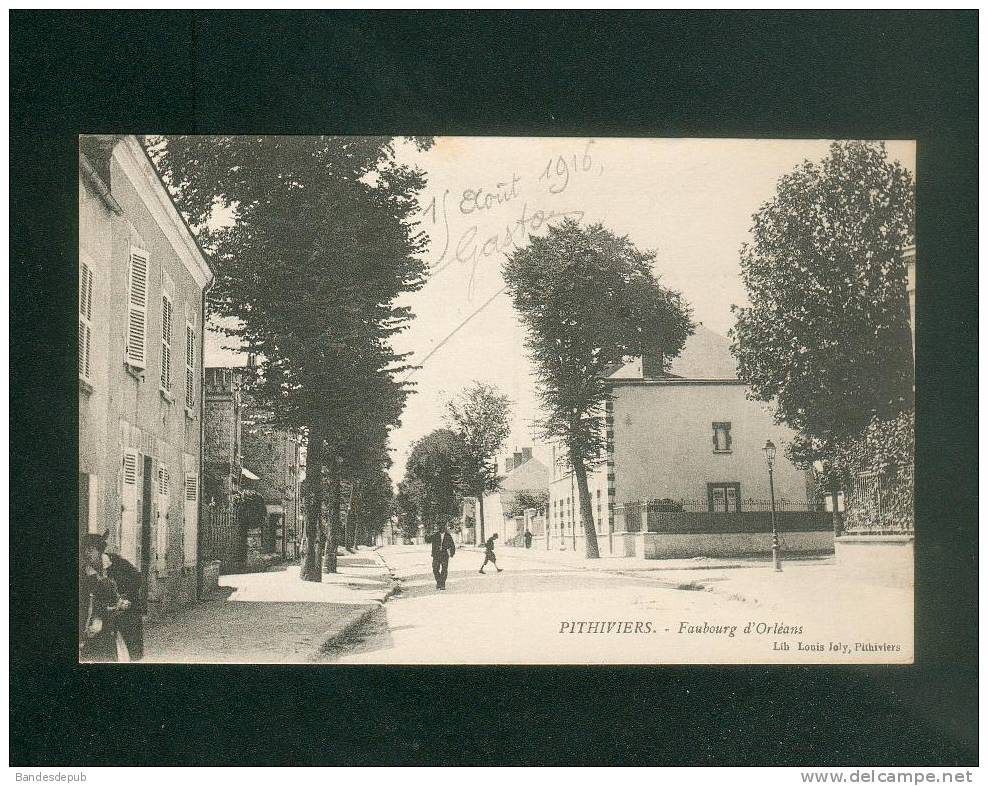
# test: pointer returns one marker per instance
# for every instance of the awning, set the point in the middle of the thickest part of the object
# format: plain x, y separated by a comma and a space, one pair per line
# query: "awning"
248, 474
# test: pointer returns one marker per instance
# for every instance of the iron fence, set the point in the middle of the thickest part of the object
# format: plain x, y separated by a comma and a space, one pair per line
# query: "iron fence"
881, 503
223, 539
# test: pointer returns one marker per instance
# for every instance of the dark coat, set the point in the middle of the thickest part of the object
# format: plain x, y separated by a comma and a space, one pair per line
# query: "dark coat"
489, 544
98, 597
442, 542
130, 623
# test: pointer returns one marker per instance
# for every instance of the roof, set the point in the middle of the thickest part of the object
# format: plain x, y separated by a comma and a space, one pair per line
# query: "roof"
706, 355
138, 168
530, 476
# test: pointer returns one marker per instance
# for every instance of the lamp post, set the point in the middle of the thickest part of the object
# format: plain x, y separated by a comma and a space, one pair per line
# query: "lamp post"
770, 458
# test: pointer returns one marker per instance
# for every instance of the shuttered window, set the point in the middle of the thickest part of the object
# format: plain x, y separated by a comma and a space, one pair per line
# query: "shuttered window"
130, 467
164, 482
85, 322
167, 314
137, 308
190, 365
191, 523
128, 514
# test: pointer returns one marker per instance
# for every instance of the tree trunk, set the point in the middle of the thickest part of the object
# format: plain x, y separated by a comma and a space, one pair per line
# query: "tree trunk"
312, 559
354, 499
333, 525
586, 508
480, 511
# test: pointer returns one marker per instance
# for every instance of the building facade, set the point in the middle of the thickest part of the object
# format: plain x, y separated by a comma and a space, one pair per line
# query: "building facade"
523, 474
142, 283
252, 476
223, 540
680, 439
273, 455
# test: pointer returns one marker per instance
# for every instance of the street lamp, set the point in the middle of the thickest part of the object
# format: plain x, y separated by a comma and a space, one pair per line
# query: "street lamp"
770, 458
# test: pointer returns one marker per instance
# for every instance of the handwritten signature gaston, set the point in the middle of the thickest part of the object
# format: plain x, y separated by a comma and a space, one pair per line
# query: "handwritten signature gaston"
467, 246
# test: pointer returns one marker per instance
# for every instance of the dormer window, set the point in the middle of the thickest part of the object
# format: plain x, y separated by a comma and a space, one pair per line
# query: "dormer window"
722, 437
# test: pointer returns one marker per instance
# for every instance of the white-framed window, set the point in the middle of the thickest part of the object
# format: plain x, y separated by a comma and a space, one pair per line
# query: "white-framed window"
137, 308
190, 366
86, 286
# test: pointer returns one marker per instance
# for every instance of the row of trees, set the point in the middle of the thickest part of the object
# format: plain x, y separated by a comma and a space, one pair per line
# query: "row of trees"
449, 464
312, 240
589, 299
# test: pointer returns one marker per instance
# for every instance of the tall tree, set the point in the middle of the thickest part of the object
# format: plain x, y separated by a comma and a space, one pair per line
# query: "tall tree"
826, 337
405, 511
313, 239
589, 299
481, 415
434, 479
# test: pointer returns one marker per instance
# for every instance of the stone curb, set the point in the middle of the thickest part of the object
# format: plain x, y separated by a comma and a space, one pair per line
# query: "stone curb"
330, 639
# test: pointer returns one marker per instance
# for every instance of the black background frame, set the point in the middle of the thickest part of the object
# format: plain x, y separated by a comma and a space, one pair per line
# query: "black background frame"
713, 74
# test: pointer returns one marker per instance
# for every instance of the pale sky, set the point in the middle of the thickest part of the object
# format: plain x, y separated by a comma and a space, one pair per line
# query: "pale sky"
689, 200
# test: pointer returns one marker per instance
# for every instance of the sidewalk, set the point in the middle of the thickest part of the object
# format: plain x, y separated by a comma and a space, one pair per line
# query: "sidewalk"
803, 585
272, 617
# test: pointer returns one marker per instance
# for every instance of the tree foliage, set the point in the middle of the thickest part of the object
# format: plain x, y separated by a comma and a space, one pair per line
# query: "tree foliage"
525, 500
481, 415
312, 240
433, 480
589, 299
826, 337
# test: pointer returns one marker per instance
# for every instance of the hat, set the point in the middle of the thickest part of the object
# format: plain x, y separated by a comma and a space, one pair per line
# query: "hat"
93, 541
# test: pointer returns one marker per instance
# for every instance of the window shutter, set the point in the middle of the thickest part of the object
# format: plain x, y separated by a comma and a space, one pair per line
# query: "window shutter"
137, 308
190, 365
85, 321
130, 467
164, 482
191, 524
167, 310
128, 516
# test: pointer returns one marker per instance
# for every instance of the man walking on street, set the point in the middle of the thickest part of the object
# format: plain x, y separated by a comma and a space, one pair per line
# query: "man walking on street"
489, 553
443, 549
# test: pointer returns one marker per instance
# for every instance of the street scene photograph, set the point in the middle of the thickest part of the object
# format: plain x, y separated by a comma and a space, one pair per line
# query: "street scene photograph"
496, 400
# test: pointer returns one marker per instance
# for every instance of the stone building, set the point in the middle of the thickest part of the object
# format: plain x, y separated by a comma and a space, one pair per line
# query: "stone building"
523, 474
275, 456
683, 438
223, 472
142, 282
252, 479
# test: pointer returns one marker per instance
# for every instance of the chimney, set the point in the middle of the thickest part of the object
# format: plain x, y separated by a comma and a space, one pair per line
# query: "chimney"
526, 454
653, 363
508, 464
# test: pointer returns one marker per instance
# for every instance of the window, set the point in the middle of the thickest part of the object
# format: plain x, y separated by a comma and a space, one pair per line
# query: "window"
85, 322
724, 497
722, 437
137, 307
190, 366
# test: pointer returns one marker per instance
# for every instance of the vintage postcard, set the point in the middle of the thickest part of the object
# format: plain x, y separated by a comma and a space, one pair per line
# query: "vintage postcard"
496, 400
